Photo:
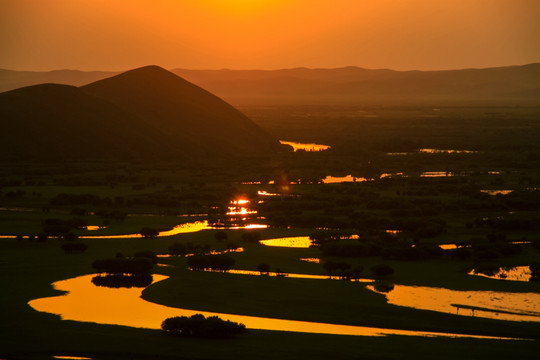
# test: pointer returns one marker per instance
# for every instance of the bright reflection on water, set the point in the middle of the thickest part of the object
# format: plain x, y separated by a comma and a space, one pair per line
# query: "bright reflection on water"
290, 242
89, 303
266, 193
436, 174
335, 179
95, 227
497, 192
488, 304
446, 151
448, 246
67, 357
433, 151
311, 260
306, 147
179, 229
516, 273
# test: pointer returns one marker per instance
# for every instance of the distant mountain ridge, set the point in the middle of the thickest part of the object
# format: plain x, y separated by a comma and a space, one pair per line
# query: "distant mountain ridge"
143, 113
506, 86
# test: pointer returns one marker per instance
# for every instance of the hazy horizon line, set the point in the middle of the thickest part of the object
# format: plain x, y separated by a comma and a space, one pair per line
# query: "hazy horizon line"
272, 70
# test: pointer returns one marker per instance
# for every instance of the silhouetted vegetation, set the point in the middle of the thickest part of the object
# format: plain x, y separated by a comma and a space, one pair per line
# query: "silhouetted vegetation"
263, 268
148, 232
122, 281
199, 326
381, 270
211, 262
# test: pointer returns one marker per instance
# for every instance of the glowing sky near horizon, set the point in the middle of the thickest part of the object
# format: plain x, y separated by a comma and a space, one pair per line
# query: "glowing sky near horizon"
267, 34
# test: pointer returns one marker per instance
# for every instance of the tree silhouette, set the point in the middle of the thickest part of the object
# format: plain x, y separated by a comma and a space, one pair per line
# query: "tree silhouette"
263, 268
199, 326
381, 270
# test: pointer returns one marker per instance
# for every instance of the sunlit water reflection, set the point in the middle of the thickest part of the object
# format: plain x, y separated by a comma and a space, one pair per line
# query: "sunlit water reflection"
179, 229
305, 147
290, 242
488, 304
336, 179
515, 273
88, 303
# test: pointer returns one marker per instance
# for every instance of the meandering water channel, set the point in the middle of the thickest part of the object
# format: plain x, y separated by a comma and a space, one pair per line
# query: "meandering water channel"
89, 303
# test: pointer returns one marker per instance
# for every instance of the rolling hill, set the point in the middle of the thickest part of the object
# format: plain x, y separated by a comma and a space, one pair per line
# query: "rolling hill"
198, 119
146, 112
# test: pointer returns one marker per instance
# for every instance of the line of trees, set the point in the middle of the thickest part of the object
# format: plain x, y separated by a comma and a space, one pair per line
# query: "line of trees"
199, 326
211, 262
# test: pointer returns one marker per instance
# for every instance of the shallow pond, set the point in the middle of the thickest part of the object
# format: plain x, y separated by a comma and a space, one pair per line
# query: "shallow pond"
497, 192
88, 303
513, 273
336, 179
179, 229
488, 304
306, 147
290, 242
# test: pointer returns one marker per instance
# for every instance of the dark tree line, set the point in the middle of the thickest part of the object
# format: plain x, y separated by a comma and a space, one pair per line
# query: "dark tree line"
123, 281
199, 326
210, 262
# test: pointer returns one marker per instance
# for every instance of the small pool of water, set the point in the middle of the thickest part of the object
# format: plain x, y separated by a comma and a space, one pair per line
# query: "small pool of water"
290, 242
488, 304
305, 146
336, 179
514, 273
497, 192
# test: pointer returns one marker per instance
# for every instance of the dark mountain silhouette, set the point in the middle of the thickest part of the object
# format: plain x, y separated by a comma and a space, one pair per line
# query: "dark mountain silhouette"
512, 85
62, 121
147, 112
198, 119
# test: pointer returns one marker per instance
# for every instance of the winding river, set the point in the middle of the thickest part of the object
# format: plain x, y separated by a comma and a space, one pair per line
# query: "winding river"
89, 303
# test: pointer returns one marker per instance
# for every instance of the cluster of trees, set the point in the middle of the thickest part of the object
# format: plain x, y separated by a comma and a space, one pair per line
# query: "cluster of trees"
263, 268
149, 232
123, 281
343, 270
59, 227
493, 247
133, 266
179, 249
382, 270
211, 262
199, 326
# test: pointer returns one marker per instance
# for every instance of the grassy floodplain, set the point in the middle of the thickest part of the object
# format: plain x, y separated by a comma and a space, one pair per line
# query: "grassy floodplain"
30, 196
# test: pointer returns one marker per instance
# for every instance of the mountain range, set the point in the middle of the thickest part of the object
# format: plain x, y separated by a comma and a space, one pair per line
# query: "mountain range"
143, 113
500, 86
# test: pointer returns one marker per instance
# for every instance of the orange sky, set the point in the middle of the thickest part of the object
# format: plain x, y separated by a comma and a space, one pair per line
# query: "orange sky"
267, 34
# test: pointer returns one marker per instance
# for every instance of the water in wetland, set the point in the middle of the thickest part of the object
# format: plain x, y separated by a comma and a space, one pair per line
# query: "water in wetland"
88, 303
